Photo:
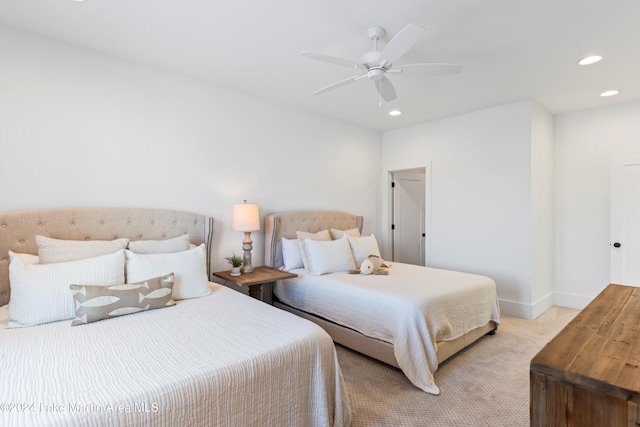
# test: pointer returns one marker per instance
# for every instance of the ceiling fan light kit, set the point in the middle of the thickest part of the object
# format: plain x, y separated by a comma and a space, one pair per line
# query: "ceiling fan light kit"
376, 64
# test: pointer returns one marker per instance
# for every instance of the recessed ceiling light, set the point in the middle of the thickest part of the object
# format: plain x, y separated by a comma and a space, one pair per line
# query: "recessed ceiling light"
590, 60
610, 92
395, 112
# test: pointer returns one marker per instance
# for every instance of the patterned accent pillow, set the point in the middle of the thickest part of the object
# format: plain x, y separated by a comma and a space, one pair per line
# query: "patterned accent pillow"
93, 303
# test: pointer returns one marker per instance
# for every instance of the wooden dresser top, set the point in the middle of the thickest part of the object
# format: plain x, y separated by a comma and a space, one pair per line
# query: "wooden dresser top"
600, 348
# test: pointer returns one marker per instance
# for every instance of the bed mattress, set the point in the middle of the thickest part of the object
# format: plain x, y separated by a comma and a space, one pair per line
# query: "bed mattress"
224, 360
412, 307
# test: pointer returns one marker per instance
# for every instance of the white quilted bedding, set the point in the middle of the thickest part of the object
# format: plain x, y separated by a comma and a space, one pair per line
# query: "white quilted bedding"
223, 360
412, 308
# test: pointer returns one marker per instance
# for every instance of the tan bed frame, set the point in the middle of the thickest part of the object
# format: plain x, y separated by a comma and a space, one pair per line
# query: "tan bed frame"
285, 225
19, 228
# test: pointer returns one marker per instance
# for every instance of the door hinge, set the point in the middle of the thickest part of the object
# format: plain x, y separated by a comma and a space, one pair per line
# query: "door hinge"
393, 226
393, 184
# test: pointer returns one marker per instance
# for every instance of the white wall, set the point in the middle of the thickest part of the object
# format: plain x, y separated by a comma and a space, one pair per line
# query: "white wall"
586, 142
543, 210
480, 194
521, 196
79, 128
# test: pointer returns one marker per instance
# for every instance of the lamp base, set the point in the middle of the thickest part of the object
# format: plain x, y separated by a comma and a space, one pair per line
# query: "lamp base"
247, 246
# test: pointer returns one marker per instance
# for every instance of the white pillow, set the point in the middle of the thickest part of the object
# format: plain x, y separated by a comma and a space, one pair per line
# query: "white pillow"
177, 244
54, 250
291, 254
362, 247
27, 258
339, 234
41, 294
329, 257
322, 235
189, 268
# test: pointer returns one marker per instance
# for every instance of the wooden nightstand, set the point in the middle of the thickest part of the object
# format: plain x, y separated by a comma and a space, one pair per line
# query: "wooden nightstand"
254, 280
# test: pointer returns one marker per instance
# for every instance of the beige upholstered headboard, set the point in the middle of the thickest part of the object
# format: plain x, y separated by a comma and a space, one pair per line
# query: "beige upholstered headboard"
19, 228
286, 224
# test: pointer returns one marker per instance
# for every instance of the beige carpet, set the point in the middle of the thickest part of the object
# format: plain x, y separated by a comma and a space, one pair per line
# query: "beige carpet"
485, 385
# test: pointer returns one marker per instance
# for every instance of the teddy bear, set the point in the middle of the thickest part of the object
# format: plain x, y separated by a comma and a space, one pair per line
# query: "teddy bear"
372, 265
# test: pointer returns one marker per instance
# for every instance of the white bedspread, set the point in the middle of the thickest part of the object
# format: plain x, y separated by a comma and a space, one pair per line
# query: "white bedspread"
411, 308
224, 360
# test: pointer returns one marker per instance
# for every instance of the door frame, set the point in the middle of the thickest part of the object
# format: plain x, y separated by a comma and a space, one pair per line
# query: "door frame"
399, 178
427, 209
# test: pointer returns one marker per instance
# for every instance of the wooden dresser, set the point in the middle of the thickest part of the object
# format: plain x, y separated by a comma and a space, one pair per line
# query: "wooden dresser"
589, 374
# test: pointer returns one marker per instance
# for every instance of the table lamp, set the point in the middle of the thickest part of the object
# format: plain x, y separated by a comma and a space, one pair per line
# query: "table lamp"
246, 218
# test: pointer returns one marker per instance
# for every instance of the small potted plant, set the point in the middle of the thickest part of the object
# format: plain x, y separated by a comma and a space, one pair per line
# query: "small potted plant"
236, 263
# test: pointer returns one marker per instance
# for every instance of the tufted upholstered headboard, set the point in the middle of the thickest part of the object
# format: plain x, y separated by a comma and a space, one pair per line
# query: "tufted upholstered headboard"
286, 224
19, 228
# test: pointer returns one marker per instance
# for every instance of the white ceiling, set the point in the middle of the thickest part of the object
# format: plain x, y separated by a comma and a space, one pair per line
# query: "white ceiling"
511, 50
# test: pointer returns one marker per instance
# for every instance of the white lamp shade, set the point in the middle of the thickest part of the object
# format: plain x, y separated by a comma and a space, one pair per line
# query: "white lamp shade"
245, 217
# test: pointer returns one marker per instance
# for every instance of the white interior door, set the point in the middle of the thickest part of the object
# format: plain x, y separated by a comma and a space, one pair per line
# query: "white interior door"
625, 221
408, 217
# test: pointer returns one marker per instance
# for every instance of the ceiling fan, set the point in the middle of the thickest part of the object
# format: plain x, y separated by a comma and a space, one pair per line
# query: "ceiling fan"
376, 63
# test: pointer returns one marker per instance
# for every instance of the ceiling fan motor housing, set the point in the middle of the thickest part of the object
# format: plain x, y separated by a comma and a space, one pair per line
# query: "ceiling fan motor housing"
371, 58
375, 73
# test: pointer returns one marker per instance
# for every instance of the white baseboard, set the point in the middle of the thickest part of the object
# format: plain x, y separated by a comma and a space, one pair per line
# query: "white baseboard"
515, 309
572, 300
531, 311
542, 305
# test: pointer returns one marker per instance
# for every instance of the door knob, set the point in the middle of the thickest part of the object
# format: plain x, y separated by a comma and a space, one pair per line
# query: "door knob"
616, 245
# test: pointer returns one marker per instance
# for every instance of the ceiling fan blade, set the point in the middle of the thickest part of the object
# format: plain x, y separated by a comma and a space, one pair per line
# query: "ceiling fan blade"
430, 69
338, 84
385, 89
401, 43
332, 60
